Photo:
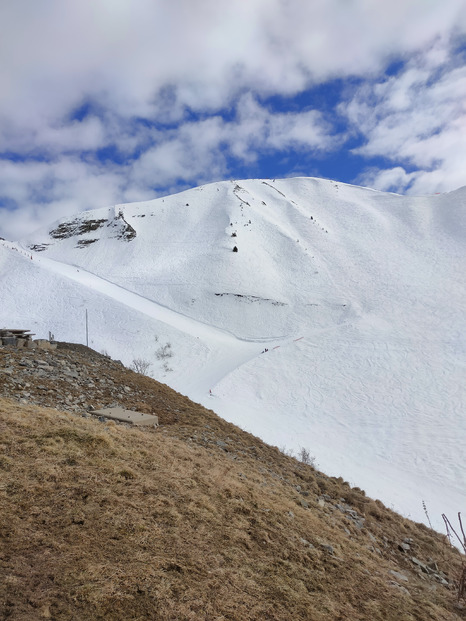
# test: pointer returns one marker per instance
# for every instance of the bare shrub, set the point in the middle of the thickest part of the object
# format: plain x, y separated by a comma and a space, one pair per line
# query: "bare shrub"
286, 451
305, 457
139, 365
164, 352
462, 541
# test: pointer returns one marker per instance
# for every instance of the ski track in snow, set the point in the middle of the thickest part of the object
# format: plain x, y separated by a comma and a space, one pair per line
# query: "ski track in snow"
228, 352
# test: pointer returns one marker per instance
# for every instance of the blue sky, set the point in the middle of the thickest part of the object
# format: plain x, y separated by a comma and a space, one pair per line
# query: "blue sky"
123, 100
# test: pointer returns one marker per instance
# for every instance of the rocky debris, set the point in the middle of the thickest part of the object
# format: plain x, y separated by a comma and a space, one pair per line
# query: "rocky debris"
405, 545
353, 516
431, 569
421, 565
58, 379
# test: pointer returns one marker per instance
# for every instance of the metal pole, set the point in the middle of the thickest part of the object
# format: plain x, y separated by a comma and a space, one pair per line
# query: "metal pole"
87, 331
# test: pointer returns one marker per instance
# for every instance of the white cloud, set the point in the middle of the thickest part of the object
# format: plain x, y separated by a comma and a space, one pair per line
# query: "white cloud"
391, 179
54, 138
417, 118
122, 53
256, 127
197, 151
160, 61
47, 191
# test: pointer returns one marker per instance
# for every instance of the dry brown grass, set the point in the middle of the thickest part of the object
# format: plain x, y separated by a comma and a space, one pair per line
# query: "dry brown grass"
102, 521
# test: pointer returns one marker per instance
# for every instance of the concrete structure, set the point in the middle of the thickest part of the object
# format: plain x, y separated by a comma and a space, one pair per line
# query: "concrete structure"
23, 338
128, 416
45, 344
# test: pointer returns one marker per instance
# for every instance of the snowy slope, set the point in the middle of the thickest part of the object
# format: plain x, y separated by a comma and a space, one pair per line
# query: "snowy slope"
370, 283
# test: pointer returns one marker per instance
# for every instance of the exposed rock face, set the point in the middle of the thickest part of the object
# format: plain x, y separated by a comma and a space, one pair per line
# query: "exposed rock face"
76, 227
124, 230
82, 227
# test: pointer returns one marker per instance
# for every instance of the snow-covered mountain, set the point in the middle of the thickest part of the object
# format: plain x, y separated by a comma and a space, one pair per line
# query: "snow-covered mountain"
358, 298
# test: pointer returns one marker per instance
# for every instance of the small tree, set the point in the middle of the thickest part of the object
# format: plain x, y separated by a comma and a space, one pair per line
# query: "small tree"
139, 365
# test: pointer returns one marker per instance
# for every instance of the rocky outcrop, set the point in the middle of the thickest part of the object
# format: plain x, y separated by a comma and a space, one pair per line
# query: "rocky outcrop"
66, 380
76, 227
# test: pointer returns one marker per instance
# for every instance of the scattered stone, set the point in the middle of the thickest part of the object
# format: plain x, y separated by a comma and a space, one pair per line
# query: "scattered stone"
433, 566
128, 416
359, 523
421, 565
400, 587
441, 579
398, 575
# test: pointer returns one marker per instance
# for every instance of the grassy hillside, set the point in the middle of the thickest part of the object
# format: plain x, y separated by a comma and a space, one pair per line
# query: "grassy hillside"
195, 520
